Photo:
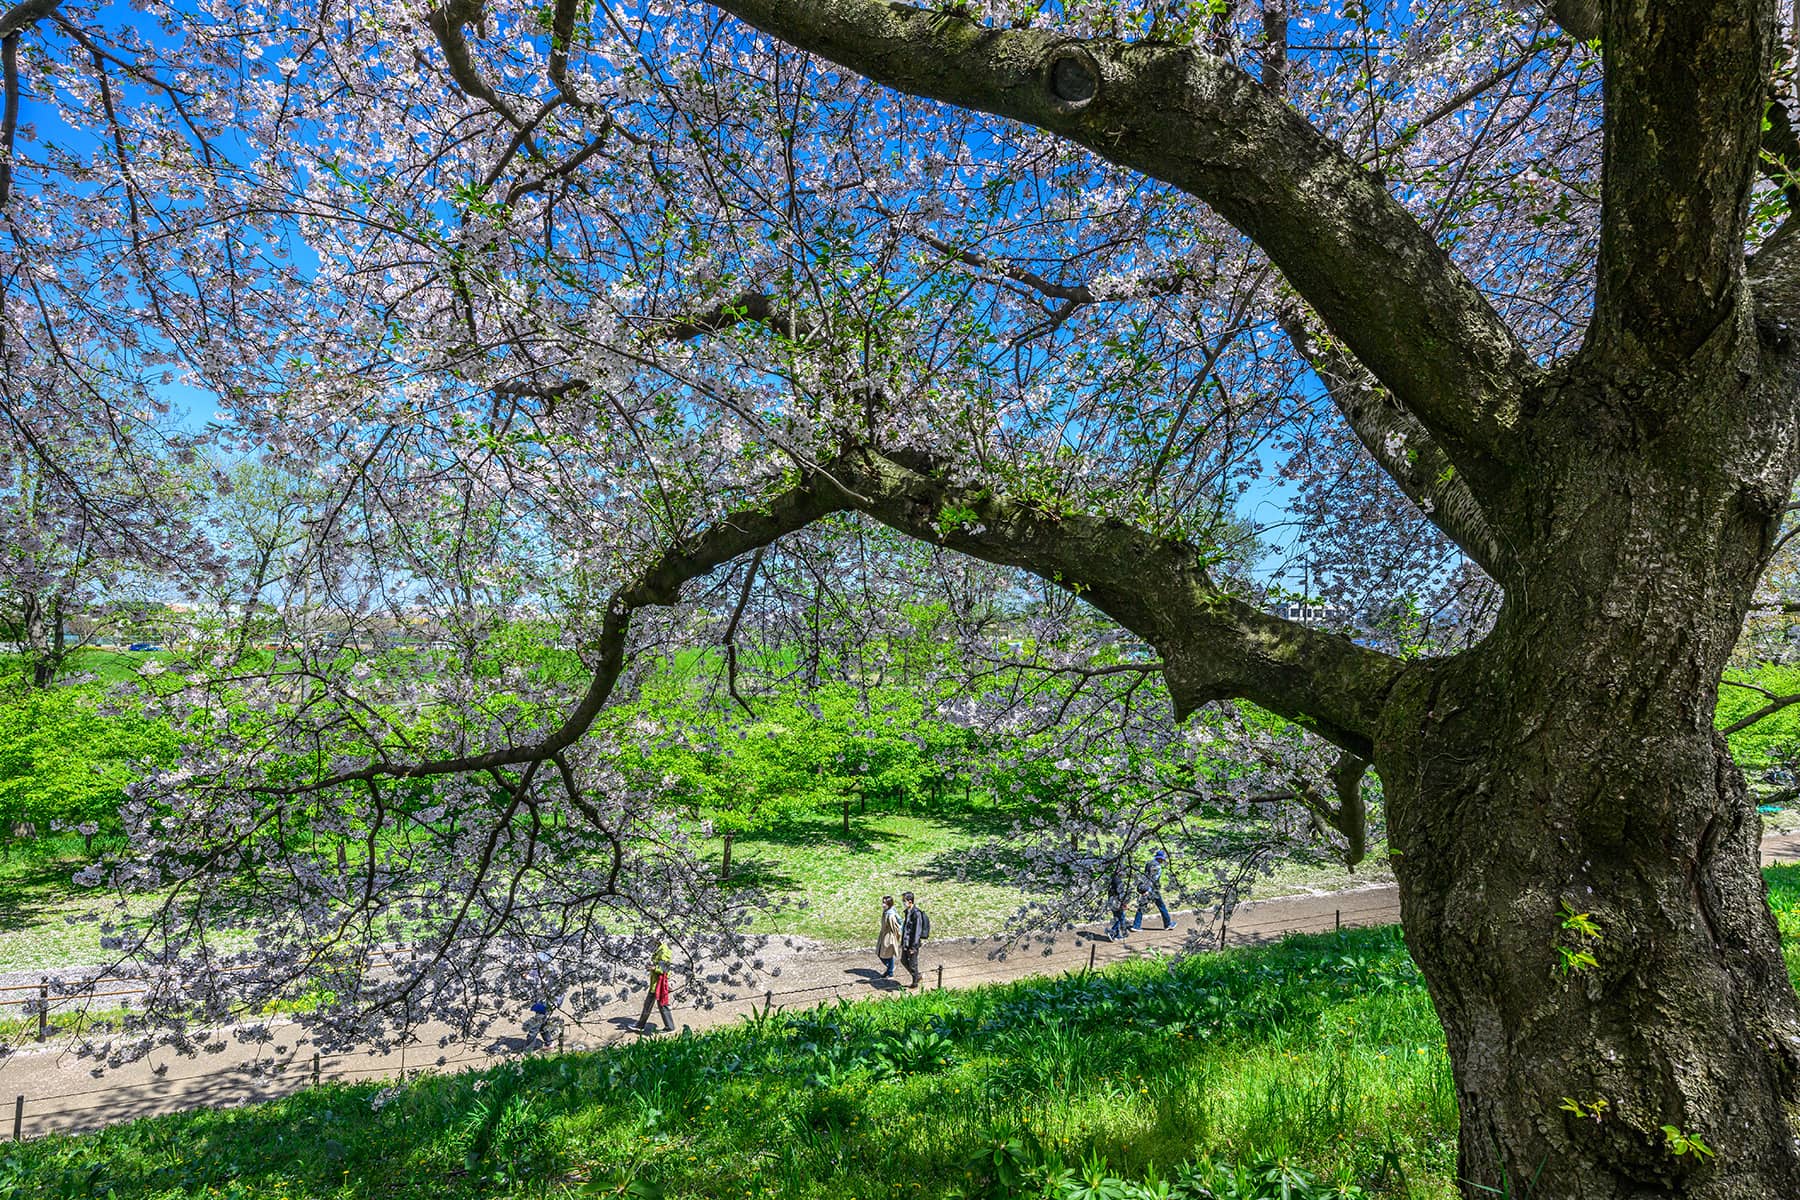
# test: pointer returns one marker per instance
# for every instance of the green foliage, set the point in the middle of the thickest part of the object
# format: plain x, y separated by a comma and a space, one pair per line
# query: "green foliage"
1680, 1143
1773, 741
838, 744
64, 760
1580, 935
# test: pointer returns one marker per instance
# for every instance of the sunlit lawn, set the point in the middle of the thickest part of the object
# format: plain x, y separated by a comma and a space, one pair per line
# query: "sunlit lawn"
887, 852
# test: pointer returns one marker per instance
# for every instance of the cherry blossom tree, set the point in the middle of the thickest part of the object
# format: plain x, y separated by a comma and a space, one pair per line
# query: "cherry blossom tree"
570, 308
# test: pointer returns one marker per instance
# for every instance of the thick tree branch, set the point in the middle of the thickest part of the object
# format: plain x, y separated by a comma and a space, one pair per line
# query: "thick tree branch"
1350, 815
1379, 281
1578, 18
13, 22
1400, 444
1774, 276
562, 35
447, 23
1213, 645
25, 14
1275, 46
1684, 90
9, 116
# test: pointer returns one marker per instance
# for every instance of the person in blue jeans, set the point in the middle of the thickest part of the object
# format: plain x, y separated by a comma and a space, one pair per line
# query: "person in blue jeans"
1116, 901
1150, 891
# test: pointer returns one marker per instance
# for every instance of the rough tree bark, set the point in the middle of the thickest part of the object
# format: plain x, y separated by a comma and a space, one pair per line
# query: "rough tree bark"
1569, 763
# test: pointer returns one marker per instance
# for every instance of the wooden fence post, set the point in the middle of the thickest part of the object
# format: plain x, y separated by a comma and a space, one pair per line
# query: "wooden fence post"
44, 1009
315, 1068
19, 1119
1093, 949
940, 986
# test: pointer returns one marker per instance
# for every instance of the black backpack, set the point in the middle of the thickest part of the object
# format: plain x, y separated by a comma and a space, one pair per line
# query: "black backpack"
924, 923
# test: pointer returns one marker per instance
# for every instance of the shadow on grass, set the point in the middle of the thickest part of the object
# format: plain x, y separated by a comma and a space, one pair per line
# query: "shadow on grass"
865, 835
37, 878
764, 873
994, 861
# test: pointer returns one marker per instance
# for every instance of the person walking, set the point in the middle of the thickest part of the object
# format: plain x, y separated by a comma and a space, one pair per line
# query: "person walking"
542, 1022
915, 927
1150, 891
1116, 901
887, 940
658, 995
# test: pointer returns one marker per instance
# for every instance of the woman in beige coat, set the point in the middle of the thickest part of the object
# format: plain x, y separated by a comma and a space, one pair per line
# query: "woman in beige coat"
887, 942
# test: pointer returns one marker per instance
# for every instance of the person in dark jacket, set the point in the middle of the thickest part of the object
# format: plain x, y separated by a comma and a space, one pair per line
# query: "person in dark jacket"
1116, 900
1150, 891
915, 927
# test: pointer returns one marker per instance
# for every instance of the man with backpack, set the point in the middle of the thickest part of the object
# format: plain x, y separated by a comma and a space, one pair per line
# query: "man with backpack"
915, 927
1150, 891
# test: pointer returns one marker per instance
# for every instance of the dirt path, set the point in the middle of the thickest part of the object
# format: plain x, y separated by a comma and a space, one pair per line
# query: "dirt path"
61, 1093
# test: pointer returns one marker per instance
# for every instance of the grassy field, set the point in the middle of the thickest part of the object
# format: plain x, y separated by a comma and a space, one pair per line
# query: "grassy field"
1314, 1065
36, 900
844, 877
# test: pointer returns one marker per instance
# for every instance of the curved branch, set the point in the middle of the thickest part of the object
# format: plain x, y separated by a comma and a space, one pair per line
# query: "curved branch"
730, 638
1213, 645
1774, 277
1775, 704
1377, 278
26, 13
447, 21
1350, 815
658, 585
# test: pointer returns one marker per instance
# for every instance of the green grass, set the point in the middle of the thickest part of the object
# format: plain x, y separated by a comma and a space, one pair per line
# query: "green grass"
1320, 1049
843, 877
37, 898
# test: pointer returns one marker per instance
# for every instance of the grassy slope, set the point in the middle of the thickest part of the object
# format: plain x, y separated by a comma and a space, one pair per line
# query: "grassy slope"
888, 852
1319, 1049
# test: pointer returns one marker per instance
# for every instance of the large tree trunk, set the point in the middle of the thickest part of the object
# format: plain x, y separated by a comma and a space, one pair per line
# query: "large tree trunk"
1569, 765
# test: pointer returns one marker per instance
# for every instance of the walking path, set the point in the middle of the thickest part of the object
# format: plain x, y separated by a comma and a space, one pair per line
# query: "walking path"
61, 1093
